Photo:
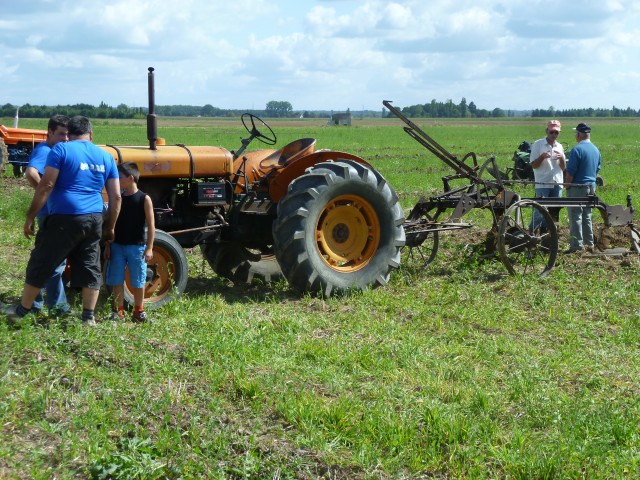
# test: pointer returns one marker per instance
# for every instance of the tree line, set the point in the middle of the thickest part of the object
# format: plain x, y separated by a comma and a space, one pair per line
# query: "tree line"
284, 109
448, 109
273, 109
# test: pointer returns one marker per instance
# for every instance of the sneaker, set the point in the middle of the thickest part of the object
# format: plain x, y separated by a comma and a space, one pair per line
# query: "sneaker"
117, 316
91, 322
16, 318
139, 317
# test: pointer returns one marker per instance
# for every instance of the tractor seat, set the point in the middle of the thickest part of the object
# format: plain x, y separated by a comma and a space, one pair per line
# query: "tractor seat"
296, 149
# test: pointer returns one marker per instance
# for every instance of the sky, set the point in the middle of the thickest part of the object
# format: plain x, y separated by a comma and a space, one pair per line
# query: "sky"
322, 54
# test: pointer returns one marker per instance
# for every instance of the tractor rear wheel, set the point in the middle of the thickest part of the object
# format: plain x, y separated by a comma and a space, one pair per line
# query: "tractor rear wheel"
240, 264
339, 227
167, 273
4, 156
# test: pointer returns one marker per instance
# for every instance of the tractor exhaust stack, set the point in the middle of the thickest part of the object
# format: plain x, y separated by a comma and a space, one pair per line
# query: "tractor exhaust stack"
152, 121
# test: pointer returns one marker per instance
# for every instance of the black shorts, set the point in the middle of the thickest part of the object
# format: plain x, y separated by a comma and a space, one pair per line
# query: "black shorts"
74, 237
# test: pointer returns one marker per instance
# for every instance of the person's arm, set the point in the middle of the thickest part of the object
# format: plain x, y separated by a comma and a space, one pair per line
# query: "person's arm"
151, 228
568, 179
106, 250
571, 168
538, 161
40, 197
115, 201
537, 156
33, 176
561, 159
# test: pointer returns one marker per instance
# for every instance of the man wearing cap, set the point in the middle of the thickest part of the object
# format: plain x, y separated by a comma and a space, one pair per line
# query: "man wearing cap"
548, 161
582, 169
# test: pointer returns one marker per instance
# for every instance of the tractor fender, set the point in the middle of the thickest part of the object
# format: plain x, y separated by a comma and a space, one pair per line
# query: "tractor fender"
280, 183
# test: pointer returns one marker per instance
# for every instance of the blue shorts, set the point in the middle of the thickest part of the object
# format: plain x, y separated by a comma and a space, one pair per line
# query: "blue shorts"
123, 256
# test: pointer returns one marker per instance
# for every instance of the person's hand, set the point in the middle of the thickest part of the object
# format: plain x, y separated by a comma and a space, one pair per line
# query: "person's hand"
108, 235
107, 250
29, 228
148, 255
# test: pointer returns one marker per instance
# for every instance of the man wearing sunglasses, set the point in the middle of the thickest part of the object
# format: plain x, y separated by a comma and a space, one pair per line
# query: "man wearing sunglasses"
548, 161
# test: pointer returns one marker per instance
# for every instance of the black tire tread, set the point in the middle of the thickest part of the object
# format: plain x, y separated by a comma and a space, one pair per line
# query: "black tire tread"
297, 211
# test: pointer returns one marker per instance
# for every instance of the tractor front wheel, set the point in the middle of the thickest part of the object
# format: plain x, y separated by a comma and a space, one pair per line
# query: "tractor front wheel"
167, 273
339, 227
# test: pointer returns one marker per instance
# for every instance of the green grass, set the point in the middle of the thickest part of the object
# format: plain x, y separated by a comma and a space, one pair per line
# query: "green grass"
457, 371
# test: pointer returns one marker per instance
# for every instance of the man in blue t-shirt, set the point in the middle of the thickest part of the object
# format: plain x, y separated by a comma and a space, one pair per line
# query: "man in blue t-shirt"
74, 176
582, 169
56, 132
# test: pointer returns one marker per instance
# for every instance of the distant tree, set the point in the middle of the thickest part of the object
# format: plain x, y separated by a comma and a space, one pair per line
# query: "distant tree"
451, 109
473, 110
463, 107
210, 111
7, 110
497, 112
433, 108
278, 109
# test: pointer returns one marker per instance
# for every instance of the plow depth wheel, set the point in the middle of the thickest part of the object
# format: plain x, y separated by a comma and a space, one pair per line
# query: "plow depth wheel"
167, 273
339, 227
525, 246
422, 246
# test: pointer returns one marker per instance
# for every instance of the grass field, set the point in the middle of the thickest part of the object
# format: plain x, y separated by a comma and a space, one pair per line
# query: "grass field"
457, 371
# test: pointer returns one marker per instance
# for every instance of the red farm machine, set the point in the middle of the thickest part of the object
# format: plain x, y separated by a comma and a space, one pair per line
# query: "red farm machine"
16, 144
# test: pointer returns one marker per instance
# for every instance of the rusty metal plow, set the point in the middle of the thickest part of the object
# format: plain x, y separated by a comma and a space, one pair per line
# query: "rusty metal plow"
524, 232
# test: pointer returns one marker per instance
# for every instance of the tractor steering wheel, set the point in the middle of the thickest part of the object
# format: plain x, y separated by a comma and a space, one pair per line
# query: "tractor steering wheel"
254, 132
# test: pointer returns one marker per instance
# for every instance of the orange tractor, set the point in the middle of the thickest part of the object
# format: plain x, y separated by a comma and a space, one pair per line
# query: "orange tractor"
16, 144
325, 220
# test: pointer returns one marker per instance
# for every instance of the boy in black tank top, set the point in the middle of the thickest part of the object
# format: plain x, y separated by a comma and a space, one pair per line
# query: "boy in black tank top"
131, 248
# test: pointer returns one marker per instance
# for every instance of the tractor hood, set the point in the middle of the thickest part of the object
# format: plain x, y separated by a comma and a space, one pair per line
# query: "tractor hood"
175, 161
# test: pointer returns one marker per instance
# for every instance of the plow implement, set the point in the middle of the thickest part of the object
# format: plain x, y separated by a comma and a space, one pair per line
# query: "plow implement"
524, 232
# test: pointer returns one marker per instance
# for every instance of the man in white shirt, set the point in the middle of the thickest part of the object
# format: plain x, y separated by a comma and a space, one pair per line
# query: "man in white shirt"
549, 163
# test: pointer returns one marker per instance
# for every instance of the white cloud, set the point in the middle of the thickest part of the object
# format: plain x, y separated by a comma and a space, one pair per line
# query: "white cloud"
322, 54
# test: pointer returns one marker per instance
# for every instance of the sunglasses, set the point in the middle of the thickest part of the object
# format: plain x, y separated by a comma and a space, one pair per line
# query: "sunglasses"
554, 132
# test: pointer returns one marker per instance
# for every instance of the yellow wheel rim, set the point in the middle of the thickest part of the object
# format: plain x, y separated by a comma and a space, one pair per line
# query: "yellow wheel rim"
160, 273
347, 233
